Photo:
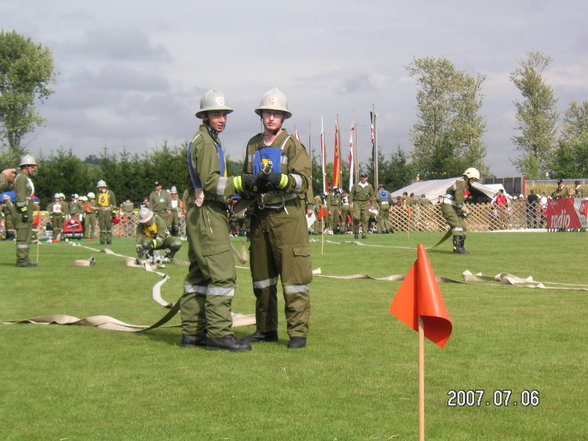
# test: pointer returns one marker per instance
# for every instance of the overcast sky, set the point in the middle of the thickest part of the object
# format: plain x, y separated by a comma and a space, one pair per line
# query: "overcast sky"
131, 73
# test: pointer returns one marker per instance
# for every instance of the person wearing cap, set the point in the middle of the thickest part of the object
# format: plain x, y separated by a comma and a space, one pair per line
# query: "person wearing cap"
383, 199
454, 209
561, 191
75, 208
279, 239
9, 213
106, 204
152, 234
6, 178
56, 214
175, 211
578, 190
91, 210
160, 202
209, 287
24, 199
361, 200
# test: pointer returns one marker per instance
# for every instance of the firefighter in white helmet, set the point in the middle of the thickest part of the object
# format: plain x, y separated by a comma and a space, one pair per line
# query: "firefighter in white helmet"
25, 196
454, 209
279, 237
152, 234
56, 212
210, 284
91, 210
175, 211
106, 202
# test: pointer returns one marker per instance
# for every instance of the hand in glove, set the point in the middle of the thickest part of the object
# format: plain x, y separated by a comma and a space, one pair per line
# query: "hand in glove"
273, 181
245, 183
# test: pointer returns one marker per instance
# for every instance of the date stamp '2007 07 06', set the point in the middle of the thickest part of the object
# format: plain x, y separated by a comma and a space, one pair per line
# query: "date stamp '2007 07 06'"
497, 398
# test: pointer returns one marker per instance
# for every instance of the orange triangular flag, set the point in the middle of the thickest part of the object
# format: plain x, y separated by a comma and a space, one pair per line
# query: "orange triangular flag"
322, 212
37, 220
419, 295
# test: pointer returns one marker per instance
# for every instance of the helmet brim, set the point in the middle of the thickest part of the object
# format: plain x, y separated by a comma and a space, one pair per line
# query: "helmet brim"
287, 113
146, 219
212, 109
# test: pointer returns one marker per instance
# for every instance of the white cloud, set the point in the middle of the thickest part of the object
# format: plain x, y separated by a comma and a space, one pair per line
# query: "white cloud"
131, 73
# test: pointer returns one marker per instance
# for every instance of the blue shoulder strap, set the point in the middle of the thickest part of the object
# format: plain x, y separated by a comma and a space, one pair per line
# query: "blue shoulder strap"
193, 176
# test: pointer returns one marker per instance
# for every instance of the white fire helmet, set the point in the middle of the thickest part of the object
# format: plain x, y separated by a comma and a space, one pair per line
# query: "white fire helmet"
472, 173
145, 215
213, 100
27, 160
274, 99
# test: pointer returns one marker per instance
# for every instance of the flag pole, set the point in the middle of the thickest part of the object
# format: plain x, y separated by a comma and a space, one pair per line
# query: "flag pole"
322, 235
38, 243
421, 380
340, 177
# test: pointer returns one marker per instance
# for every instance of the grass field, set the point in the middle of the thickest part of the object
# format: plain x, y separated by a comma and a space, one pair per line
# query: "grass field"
357, 378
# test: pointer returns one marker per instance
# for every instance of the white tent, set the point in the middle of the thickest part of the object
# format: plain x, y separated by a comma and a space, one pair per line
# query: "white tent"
435, 187
431, 189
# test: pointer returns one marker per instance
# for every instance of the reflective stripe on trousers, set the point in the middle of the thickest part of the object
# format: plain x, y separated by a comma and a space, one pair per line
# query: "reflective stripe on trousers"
210, 290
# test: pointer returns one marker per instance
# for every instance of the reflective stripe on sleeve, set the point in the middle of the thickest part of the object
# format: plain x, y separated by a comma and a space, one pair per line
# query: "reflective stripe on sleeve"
298, 180
222, 185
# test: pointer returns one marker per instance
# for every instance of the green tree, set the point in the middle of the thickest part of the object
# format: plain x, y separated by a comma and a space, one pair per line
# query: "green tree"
61, 172
575, 123
448, 105
536, 116
26, 70
399, 172
570, 159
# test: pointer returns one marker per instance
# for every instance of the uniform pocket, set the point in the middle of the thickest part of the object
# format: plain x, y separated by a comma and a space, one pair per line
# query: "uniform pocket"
301, 252
211, 250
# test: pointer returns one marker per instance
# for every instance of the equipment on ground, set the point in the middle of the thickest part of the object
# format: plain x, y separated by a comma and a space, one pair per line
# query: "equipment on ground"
72, 229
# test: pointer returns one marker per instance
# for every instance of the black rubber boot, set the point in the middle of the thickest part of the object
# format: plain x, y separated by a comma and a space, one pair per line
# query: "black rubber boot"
297, 343
257, 336
458, 245
227, 343
191, 341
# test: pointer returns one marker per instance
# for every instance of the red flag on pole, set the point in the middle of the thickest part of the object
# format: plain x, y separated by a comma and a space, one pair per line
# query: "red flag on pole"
337, 158
419, 295
322, 212
324, 160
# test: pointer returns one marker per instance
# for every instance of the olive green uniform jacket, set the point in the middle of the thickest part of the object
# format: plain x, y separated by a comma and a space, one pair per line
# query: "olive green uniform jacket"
362, 197
25, 192
209, 287
451, 207
279, 240
161, 235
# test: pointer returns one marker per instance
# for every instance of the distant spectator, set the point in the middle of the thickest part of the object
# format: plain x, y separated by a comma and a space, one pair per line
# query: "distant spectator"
561, 191
578, 190
533, 209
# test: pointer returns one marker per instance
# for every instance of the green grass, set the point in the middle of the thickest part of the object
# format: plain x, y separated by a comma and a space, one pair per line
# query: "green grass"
356, 380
